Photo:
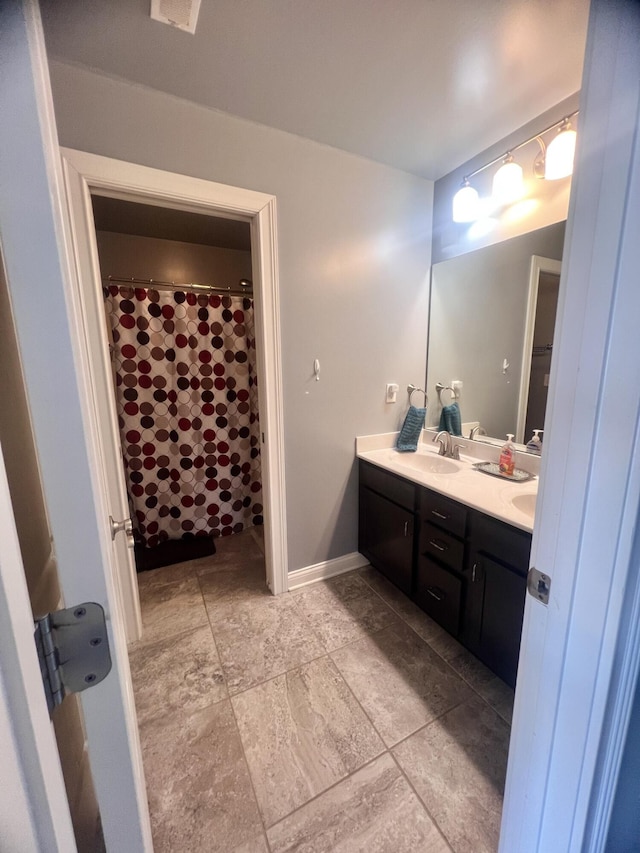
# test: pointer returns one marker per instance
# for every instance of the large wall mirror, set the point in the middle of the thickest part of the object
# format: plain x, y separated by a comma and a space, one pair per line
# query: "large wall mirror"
491, 327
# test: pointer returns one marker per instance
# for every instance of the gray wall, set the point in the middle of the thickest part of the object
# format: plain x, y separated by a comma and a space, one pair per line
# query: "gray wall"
132, 256
354, 251
478, 314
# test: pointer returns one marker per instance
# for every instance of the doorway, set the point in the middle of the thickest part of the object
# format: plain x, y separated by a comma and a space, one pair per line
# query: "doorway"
89, 175
541, 351
537, 349
178, 301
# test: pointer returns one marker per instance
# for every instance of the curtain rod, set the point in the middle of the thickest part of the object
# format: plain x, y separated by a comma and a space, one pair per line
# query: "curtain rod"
245, 289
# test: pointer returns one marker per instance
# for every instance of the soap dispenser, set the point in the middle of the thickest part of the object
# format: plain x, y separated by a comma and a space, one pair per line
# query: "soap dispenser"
507, 461
534, 445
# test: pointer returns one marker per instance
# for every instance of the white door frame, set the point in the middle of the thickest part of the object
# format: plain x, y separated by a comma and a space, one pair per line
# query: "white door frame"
85, 173
34, 812
579, 660
538, 265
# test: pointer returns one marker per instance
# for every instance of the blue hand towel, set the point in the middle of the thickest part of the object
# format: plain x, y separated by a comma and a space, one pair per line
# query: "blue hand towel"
411, 428
451, 420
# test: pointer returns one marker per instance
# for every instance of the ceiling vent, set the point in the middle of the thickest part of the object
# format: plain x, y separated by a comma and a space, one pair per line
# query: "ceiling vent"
182, 14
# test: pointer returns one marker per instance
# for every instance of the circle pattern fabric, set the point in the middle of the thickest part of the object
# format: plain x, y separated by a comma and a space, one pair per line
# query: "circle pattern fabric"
187, 403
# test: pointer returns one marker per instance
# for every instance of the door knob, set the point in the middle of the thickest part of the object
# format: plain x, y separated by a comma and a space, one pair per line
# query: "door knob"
125, 526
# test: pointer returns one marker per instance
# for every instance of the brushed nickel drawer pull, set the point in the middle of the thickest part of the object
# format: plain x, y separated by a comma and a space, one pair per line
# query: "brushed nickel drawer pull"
439, 514
473, 573
406, 528
436, 593
437, 545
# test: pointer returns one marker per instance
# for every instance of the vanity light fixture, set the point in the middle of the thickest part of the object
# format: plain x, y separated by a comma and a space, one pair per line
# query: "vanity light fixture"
554, 161
508, 182
466, 203
558, 161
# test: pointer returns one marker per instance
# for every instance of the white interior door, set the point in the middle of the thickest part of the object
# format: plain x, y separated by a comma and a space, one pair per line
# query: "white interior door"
34, 813
36, 250
559, 781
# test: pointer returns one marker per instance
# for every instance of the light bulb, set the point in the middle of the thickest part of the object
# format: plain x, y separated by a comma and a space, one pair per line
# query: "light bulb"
559, 158
508, 185
466, 203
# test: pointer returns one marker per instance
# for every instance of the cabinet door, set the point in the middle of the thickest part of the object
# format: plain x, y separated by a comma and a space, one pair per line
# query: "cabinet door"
494, 613
386, 538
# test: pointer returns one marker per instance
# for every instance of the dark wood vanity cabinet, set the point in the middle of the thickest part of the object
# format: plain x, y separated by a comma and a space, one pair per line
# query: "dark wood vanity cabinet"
465, 569
497, 565
386, 527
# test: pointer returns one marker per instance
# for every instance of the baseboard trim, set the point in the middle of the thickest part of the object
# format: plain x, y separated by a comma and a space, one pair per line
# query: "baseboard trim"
327, 569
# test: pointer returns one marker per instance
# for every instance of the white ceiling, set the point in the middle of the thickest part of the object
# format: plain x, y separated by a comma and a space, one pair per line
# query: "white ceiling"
421, 85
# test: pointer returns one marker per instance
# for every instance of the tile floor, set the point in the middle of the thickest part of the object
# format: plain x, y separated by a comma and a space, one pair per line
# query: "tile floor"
337, 717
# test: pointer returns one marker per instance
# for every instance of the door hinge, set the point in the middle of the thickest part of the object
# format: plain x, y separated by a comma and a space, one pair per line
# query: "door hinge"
73, 650
538, 585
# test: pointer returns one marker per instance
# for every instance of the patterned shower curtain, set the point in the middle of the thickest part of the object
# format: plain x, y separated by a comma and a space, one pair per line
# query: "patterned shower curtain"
186, 393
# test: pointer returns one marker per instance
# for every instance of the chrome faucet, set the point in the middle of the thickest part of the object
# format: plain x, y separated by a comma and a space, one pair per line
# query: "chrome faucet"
447, 447
444, 439
477, 430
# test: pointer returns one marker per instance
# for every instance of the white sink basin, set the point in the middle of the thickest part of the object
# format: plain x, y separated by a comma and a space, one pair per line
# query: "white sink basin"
430, 463
525, 503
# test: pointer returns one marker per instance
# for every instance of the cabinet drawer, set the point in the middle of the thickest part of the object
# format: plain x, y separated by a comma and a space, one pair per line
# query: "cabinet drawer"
394, 488
445, 513
441, 545
438, 592
509, 544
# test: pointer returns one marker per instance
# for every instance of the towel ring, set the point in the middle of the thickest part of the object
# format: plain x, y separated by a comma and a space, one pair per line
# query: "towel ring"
411, 390
440, 388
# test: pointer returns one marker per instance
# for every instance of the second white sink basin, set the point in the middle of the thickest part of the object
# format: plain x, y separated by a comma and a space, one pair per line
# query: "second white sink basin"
525, 503
428, 462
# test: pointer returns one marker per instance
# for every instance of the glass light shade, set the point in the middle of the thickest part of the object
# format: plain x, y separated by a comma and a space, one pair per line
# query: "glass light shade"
508, 185
559, 158
466, 204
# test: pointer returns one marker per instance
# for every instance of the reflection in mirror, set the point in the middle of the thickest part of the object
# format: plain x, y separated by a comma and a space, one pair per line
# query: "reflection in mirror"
485, 332
544, 285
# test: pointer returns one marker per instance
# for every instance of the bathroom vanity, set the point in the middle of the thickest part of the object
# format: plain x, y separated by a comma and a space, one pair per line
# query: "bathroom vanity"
454, 540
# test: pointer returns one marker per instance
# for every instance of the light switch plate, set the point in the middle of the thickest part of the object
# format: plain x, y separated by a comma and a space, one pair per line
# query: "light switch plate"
391, 392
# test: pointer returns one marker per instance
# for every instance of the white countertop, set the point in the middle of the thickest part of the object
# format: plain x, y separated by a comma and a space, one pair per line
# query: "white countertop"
508, 501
